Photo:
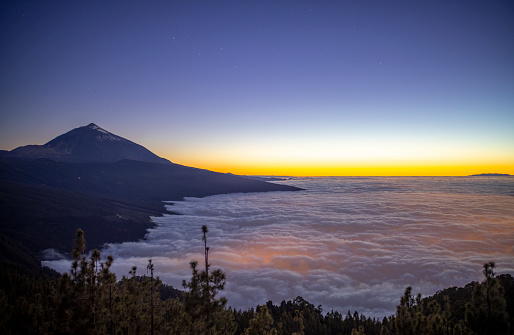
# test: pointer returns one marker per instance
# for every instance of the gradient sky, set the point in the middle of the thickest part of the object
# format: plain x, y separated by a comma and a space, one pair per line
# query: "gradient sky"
269, 87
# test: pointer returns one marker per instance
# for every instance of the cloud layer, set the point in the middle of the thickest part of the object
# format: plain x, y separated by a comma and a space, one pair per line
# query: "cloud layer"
345, 243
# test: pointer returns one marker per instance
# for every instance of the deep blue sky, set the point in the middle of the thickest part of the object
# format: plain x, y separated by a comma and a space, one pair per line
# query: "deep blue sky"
290, 85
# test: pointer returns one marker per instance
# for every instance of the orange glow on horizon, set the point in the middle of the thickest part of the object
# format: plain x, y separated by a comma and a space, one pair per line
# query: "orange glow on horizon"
346, 157
352, 170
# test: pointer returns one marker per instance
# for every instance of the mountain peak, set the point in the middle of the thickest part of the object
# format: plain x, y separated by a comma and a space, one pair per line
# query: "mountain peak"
95, 127
88, 144
90, 132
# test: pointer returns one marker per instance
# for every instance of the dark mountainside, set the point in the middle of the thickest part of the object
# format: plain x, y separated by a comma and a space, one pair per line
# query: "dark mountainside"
48, 191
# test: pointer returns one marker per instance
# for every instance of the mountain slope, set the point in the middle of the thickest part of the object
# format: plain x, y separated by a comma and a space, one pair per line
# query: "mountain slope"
78, 180
130, 179
43, 202
87, 144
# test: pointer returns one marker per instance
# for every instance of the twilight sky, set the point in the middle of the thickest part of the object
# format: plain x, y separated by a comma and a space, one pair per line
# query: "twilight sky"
269, 87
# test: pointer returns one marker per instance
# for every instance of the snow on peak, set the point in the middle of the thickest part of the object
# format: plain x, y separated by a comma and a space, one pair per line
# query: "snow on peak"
95, 127
105, 135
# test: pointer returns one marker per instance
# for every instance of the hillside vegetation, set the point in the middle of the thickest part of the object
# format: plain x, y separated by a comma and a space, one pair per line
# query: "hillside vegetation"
91, 300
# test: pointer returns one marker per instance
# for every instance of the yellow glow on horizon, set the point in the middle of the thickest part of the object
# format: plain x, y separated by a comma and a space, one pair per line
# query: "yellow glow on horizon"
339, 158
354, 169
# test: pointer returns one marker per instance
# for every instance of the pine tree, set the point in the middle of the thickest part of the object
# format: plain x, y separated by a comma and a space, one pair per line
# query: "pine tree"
206, 312
262, 323
85, 303
358, 331
404, 323
107, 282
487, 311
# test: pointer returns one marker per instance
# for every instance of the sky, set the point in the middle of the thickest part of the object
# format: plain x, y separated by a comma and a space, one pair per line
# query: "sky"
269, 87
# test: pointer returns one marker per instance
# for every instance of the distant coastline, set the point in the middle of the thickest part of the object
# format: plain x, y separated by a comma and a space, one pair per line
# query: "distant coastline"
262, 178
271, 178
491, 175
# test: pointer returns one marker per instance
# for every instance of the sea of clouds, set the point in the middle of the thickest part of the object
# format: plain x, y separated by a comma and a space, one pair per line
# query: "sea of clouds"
343, 243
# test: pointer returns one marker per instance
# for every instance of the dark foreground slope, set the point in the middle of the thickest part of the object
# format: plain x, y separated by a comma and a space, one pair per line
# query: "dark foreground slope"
43, 201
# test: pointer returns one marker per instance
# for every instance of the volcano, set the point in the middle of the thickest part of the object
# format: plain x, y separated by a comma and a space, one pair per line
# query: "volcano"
88, 144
